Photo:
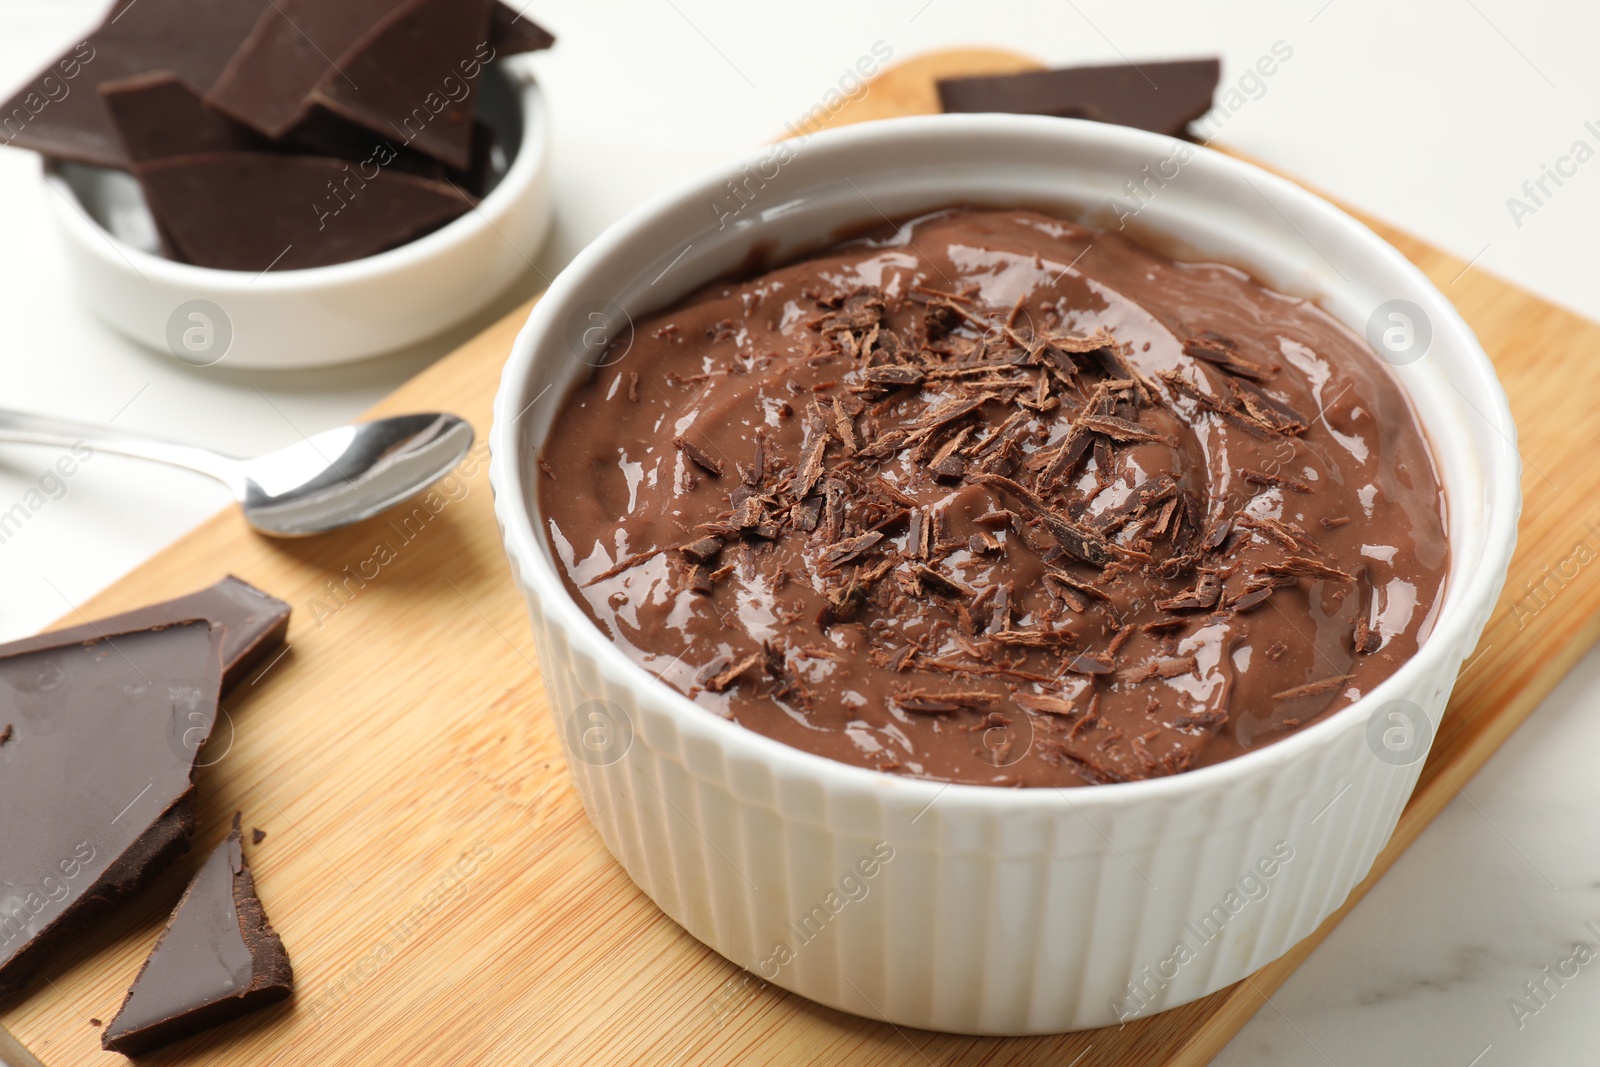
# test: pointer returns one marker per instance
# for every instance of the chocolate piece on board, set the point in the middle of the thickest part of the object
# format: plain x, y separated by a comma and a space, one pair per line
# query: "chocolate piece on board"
58, 112
97, 781
1162, 97
217, 959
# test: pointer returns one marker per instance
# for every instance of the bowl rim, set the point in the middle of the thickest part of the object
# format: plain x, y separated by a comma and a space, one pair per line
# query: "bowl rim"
530, 162
1466, 592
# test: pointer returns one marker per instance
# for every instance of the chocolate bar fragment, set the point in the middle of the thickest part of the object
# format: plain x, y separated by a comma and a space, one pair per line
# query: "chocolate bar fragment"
217, 959
252, 211
415, 77
252, 624
511, 32
97, 777
159, 115
59, 114
1160, 97
268, 82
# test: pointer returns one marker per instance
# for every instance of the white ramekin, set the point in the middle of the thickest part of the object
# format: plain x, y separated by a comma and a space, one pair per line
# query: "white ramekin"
321, 315
999, 911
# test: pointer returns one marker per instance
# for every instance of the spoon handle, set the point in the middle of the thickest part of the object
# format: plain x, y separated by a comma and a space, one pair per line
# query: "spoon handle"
23, 428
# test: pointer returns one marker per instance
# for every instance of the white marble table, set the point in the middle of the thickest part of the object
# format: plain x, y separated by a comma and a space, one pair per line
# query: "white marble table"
1429, 113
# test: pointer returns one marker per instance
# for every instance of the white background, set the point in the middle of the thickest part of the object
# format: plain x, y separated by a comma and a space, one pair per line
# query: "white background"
1429, 113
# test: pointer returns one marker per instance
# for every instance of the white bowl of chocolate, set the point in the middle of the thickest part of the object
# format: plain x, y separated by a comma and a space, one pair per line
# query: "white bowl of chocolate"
990, 622
295, 183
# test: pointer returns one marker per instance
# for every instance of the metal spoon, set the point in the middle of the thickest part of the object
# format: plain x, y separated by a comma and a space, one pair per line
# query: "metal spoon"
322, 483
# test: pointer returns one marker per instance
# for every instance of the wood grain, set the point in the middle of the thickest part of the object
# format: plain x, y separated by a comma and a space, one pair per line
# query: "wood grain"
428, 864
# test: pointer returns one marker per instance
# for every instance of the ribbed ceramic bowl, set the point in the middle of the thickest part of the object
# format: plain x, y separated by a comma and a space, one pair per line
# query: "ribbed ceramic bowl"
970, 908
318, 316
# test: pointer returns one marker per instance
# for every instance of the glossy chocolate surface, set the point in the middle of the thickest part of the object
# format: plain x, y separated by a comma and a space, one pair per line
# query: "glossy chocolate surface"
1001, 499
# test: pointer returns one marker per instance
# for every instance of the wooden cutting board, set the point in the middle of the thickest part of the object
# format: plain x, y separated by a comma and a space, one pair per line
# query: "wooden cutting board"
428, 864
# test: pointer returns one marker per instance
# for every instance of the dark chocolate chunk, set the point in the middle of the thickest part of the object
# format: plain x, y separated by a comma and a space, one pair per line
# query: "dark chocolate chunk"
251, 211
1162, 97
270, 78
97, 785
253, 625
159, 115
323, 133
415, 76
59, 113
511, 32
257, 836
217, 959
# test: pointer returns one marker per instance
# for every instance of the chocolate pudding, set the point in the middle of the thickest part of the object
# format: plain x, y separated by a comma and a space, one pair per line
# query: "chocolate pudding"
995, 498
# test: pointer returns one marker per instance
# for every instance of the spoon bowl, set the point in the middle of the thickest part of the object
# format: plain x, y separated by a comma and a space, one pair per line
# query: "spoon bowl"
320, 483
350, 473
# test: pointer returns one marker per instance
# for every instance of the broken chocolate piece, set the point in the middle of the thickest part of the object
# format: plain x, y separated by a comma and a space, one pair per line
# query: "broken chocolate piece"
252, 624
127, 715
251, 211
1161, 97
512, 32
270, 78
59, 113
415, 76
217, 959
159, 115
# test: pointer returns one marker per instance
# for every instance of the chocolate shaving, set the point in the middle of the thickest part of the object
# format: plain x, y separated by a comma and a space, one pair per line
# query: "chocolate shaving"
1218, 533
894, 374
1266, 410
811, 469
1252, 597
1312, 689
703, 550
1280, 532
1200, 721
847, 550
698, 456
720, 681
1045, 705
1220, 352
932, 702
1207, 588
1367, 640
1077, 584
627, 563
1032, 638
1120, 429
1300, 567
700, 580
1076, 345
844, 426
1086, 663
1074, 540
1169, 667
941, 584
1277, 481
